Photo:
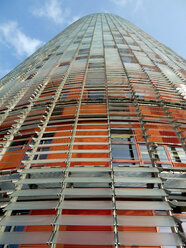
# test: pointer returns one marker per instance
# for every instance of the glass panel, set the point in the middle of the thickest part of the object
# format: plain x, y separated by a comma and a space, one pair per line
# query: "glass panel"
127, 220
42, 170
86, 205
177, 183
161, 154
27, 220
84, 238
88, 160
177, 154
144, 152
140, 192
32, 205
87, 180
142, 205
149, 239
136, 169
178, 203
44, 161
137, 180
39, 180
87, 192
172, 168
24, 237
125, 152
89, 169
85, 220
95, 94
37, 192
176, 190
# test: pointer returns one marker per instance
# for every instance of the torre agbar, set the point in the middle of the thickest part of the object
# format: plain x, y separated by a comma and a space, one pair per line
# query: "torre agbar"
92, 141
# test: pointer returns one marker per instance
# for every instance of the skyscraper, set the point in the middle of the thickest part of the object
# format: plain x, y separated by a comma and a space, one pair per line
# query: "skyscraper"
93, 141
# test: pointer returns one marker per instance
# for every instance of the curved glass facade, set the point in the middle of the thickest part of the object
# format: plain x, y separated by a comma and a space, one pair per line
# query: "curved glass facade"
92, 141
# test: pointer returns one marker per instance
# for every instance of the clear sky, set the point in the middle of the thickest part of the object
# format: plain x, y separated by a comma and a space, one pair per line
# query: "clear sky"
25, 25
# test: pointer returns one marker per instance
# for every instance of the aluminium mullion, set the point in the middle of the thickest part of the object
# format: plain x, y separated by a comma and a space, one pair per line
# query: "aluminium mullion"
164, 198
116, 241
66, 173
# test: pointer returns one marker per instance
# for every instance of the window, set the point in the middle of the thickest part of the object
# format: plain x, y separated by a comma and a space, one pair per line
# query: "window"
122, 135
177, 154
123, 51
127, 59
45, 135
146, 68
161, 154
19, 143
41, 156
144, 152
31, 76
48, 141
64, 63
96, 94
96, 65
124, 152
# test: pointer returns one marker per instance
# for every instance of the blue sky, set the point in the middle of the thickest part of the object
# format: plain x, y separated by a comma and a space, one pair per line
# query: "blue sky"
25, 25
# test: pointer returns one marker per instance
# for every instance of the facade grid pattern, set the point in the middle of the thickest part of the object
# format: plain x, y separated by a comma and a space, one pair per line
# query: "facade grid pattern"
92, 141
